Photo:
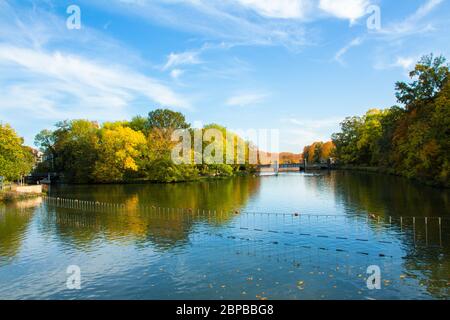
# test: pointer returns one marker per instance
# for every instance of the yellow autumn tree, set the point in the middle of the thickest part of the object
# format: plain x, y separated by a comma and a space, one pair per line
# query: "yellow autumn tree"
327, 150
118, 151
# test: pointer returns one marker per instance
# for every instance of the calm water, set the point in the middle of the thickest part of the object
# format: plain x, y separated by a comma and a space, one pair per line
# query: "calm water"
294, 236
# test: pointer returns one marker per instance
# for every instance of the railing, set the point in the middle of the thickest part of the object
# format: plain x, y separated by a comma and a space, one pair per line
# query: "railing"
426, 230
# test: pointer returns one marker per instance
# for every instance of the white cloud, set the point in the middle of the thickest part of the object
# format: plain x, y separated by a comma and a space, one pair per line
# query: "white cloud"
38, 81
405, 63
285, 9
412, 24
303, 132
354, 43
183, 58
229, 21
345, 9
55, 85
246, 99
176, 73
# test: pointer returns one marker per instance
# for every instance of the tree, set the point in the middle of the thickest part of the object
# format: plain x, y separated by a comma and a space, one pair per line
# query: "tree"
318, 152
412, 142
430, 75
139, 123
346, 140
327, 150
166, 119
16, 160
74, 149
118, 153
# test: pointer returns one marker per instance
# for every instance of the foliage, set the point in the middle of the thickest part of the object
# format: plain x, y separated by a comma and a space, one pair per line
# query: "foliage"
411, 141
16, 160
118, 149
430, 76
164, 119
140, 149
318, 152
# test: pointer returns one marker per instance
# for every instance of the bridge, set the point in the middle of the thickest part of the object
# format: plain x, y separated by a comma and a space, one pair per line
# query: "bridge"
42, 178
294, 167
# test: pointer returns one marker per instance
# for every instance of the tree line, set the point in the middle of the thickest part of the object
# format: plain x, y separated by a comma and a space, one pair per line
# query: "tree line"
412, 140
319, 152
83, 151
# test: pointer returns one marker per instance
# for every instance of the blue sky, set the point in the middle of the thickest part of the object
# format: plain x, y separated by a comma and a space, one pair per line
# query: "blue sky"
300, 66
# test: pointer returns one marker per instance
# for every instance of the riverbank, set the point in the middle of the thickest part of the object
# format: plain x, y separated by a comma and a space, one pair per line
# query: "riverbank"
12, 196
18, 193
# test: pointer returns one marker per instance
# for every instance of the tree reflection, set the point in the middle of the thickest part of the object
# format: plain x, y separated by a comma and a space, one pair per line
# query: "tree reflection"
386, 196
14, 220
151, 212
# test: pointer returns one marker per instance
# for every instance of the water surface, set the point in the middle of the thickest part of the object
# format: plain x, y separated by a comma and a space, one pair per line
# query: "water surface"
292, 236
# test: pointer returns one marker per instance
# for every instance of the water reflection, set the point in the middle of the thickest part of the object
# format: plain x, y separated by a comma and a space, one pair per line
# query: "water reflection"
373, 214
14, 221
134, 224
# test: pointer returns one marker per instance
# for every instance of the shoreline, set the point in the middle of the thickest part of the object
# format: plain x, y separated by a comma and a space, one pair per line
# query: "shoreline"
11, 196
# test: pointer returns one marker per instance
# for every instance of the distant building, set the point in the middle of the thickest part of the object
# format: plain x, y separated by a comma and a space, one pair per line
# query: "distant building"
38, 156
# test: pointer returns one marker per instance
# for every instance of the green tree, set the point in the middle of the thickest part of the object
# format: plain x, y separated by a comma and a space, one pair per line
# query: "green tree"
346, 141
413, 142
429, 77
166, 119
16, 160
76, 145
139, 123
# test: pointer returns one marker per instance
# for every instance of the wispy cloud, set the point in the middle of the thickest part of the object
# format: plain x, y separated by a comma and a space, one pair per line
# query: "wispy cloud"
354, 43
345, 9
51, 83
303, 132
254, 22
285, 9
63, 84
405, 62
176, 73
390, 37
413, 24
183, 58
246, 99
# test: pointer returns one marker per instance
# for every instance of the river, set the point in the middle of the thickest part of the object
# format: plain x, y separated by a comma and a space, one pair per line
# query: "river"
292, 236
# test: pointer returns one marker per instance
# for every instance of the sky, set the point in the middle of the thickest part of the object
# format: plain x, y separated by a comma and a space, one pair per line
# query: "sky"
299, 66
